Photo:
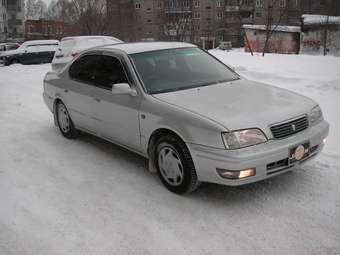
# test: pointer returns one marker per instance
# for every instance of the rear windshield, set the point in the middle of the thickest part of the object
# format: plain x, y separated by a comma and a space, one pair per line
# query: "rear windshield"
177, 69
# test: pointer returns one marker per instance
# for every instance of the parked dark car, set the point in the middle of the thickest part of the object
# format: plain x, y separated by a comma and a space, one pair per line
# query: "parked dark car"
31, 52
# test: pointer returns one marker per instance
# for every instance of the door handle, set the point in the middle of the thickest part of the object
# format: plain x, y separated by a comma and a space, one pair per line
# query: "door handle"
97, 99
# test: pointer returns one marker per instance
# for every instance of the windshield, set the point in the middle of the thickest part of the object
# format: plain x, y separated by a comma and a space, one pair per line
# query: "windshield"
177, 69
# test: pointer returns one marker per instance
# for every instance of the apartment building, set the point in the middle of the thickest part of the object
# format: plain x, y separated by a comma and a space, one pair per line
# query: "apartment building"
289, 12
15, 17
12, 13
205, 22
45, 29
3, 19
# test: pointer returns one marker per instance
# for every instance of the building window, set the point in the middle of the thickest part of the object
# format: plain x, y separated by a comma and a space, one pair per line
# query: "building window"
149, 21
259, 3
219, 15
259, 14
196, 3
138, 5
197, 15
282, 3
218, 3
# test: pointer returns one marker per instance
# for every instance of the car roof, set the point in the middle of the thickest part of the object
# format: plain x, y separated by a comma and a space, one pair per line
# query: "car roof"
89, 37
139, 47
41, 42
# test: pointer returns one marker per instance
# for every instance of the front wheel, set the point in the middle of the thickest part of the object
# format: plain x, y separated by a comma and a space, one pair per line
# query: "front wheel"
175, 166
64, 122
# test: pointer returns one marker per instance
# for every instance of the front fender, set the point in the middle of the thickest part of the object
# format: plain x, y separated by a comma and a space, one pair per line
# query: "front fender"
190, 127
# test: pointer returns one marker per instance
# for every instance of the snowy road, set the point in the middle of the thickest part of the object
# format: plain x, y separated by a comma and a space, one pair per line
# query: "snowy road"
90, 197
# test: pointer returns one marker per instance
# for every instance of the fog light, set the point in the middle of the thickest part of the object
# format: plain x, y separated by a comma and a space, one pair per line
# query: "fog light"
241, 174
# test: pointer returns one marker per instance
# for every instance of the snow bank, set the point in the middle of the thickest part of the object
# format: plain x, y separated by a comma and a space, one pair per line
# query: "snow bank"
291, 29
312, 19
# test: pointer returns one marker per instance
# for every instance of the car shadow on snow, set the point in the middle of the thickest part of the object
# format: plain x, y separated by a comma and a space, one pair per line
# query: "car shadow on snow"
266, 189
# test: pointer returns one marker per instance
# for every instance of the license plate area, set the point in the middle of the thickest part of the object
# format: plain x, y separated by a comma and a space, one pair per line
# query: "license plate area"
299, 152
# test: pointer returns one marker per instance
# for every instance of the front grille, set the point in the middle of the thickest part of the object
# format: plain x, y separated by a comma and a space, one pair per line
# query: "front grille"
289, 128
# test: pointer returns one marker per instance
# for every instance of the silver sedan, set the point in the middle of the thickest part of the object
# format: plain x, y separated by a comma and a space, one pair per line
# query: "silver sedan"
193, 117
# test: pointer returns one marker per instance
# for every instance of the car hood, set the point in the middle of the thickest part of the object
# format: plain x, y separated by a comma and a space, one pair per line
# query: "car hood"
241, 104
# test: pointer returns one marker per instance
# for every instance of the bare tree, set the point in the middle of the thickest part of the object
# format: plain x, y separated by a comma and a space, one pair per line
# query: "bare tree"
274, 19
330, 8
36, 9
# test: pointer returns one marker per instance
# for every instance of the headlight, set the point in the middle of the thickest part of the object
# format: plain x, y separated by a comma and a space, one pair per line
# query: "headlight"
243, 138
315, 116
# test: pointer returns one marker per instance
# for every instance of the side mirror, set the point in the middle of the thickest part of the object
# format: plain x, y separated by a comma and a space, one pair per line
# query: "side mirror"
123, 89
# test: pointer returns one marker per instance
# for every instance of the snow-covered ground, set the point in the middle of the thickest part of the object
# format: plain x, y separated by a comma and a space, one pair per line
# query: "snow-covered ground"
90, 197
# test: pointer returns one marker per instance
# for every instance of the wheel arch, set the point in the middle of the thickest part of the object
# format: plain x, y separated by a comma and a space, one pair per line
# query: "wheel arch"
156, 135
56, 101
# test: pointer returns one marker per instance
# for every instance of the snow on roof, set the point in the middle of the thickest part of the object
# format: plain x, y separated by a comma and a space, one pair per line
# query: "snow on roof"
36, 42
312, 19
138, 47
290, 29
91, 37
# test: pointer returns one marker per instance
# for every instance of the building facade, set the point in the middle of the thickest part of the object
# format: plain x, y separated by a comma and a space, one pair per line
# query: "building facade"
206, 22
3, 20
289, 12
45, 29
12, 14
15, 18
203, 22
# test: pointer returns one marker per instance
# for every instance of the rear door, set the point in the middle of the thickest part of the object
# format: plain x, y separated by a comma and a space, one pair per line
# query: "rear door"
78, 94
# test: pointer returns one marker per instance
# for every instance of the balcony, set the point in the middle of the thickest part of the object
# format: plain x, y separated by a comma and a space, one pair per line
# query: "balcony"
14, 8
177, 10
14, 22
231, 8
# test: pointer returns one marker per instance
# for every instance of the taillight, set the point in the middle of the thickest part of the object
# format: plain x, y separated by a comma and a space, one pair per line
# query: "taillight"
74, 55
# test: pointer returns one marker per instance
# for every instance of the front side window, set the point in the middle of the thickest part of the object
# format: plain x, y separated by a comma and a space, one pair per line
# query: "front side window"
83, 69
109, 71
177, 69
98, 70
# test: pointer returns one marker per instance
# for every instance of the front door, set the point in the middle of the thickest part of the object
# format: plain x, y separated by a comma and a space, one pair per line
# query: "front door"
116, 116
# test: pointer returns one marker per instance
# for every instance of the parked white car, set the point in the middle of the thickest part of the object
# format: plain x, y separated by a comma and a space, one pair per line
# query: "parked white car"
194, 118
70, 47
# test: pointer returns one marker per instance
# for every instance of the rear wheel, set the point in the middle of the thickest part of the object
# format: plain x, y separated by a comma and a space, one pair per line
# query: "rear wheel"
64, 122
175, 166
15, 61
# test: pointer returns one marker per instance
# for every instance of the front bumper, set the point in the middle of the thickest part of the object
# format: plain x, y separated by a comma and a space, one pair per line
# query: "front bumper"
269, 159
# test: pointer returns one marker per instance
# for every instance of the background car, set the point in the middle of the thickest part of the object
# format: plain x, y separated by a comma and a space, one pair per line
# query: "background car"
70, 47
6, 47
31, 52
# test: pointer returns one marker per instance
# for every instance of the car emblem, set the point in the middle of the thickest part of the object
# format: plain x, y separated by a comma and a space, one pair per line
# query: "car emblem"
294, 127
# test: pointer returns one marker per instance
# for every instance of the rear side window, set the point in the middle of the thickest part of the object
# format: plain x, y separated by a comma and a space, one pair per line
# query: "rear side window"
12, 47
99, 70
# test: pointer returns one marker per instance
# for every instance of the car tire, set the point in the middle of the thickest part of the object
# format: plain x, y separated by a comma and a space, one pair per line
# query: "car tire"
175, 166
14, 61
65, 122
